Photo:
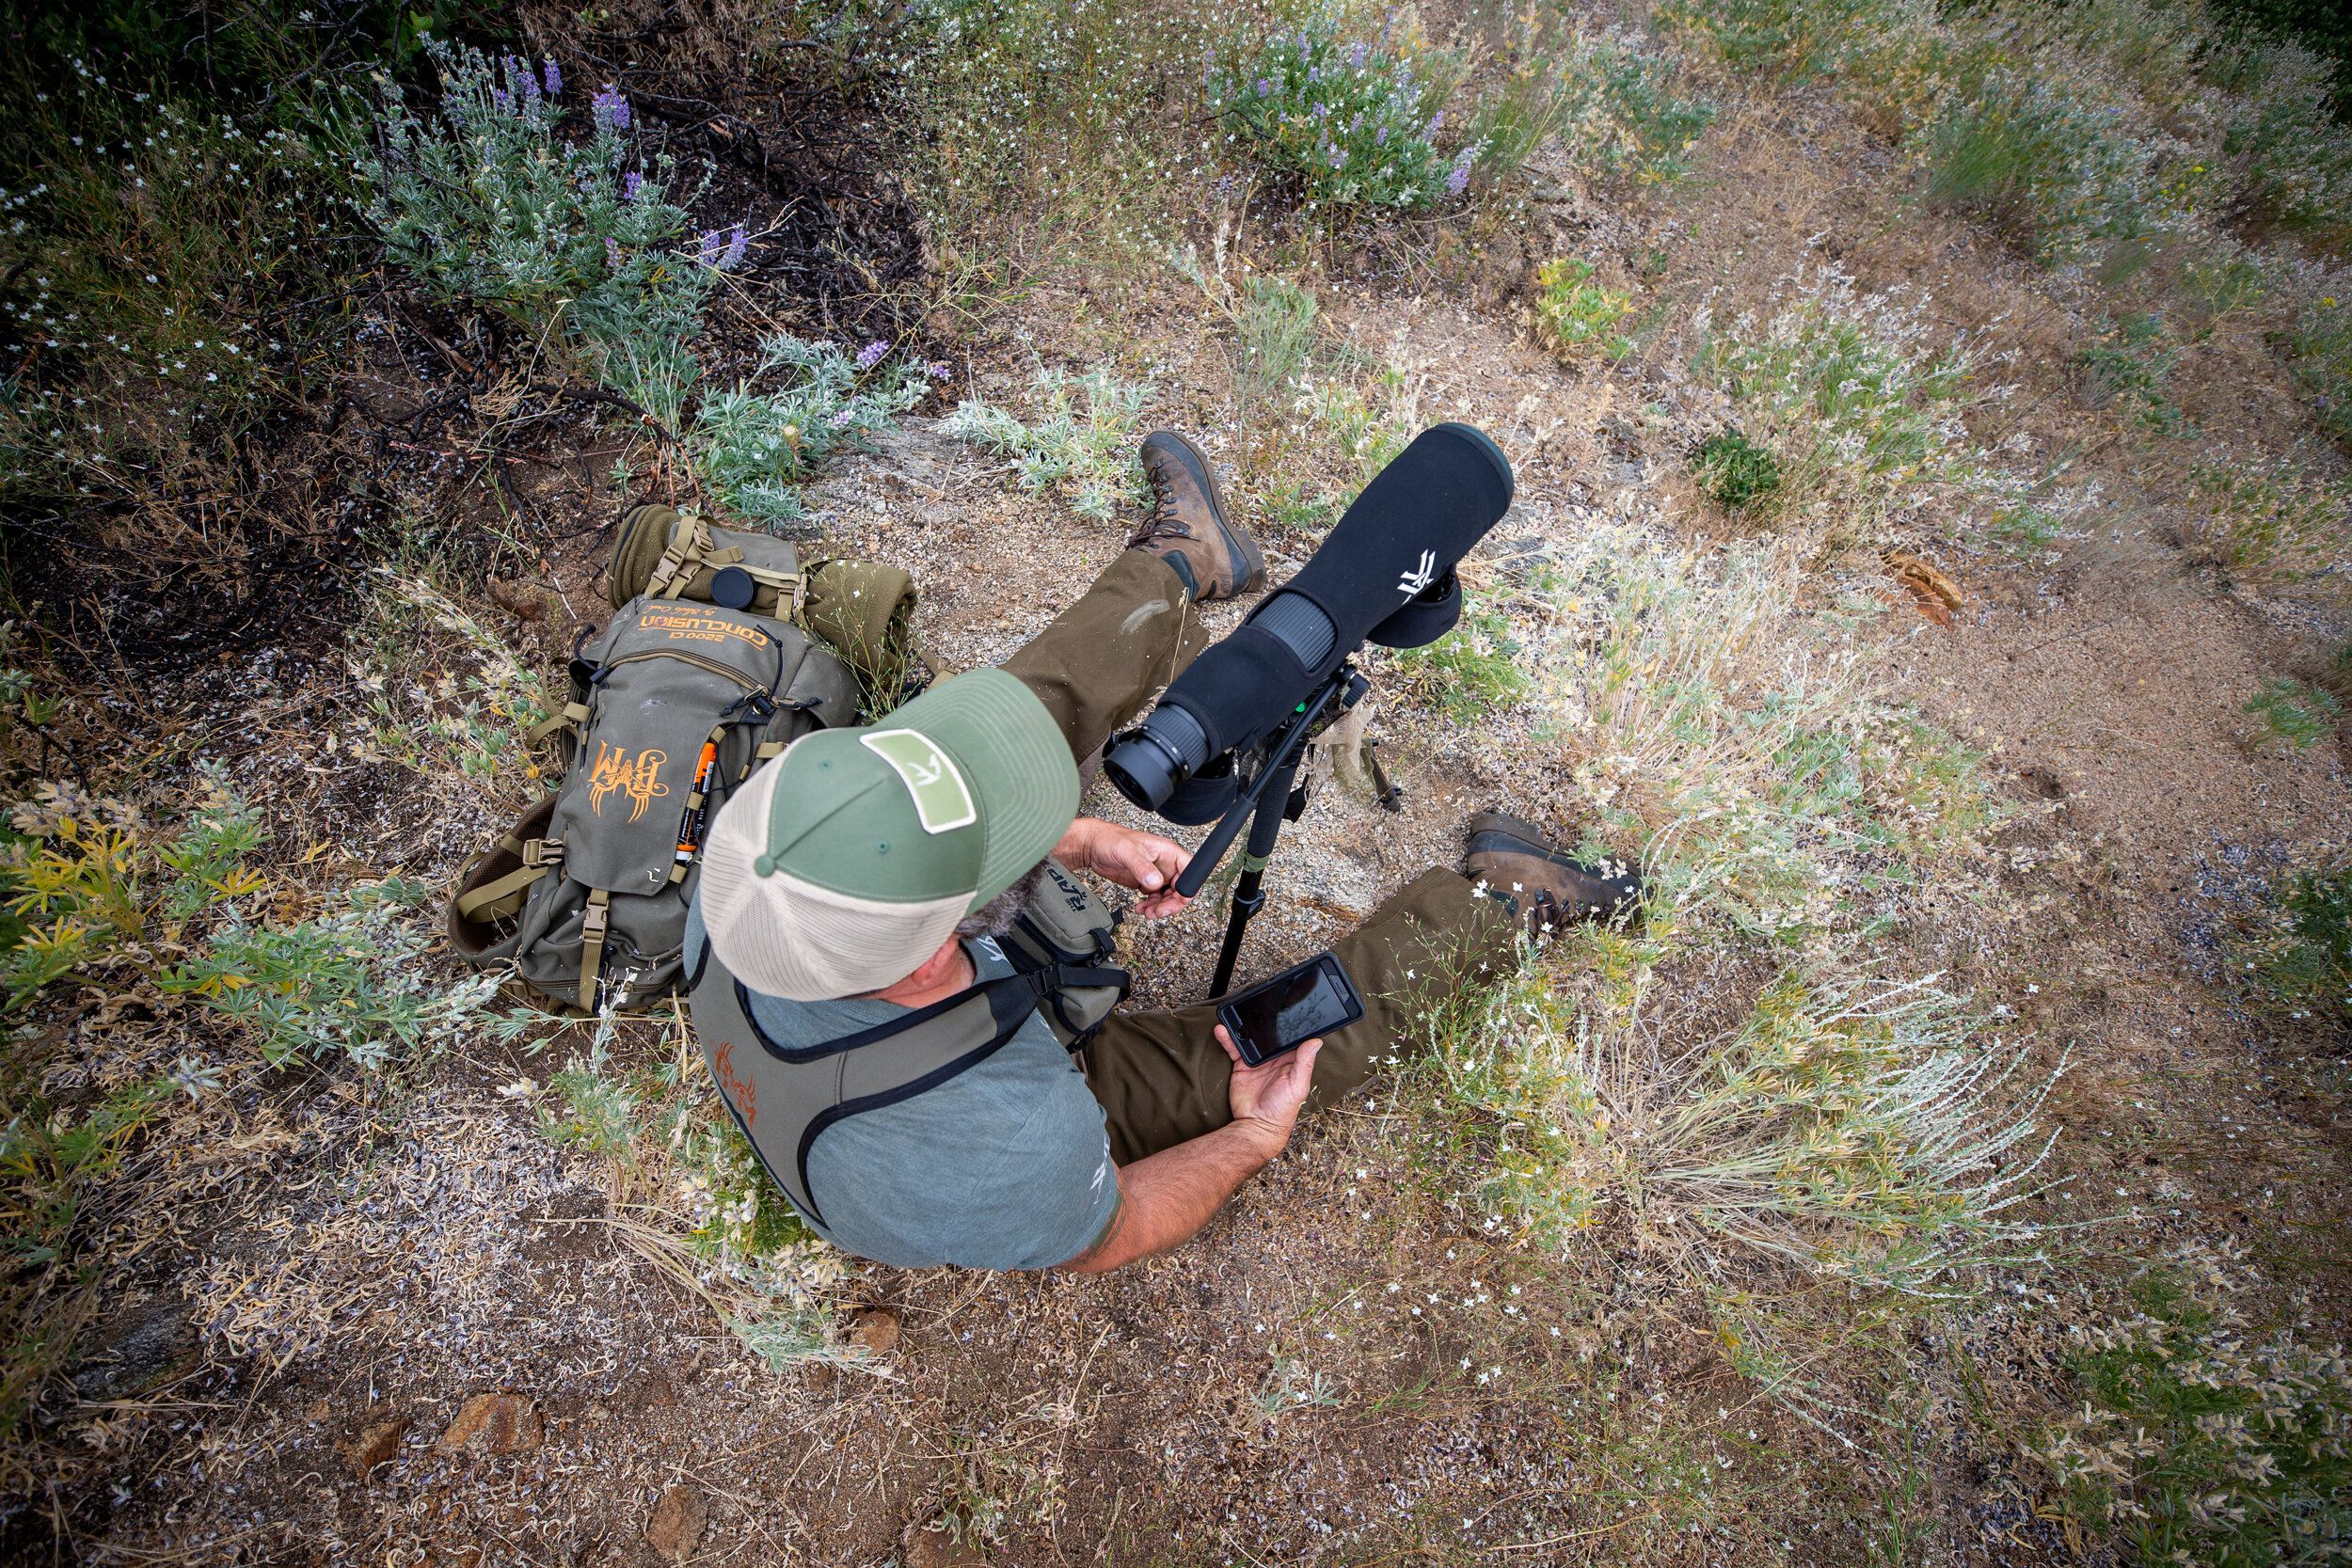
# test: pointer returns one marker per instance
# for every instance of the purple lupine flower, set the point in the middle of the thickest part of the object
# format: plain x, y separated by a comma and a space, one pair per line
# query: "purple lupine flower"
1436, 123
610, 108
555, 81
613, 253
712, 245
738, 239
1357, 55
841, 420
871, 354
631, 184
1380, 137
939, 370
1458, 180
1265, 85
518, 72
502, 100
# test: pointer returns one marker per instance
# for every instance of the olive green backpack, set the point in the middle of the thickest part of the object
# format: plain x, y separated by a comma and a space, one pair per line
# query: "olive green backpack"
671, 705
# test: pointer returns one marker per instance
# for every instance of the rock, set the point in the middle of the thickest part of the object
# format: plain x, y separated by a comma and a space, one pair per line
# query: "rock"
935, 1548
374, 1445
494, 1424
134, 1349
876, 1330
677, 1523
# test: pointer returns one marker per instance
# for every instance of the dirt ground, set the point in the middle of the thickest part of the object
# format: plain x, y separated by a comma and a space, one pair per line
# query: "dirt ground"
398, 1326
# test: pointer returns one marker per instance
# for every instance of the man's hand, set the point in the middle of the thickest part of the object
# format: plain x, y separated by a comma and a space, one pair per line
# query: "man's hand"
1266, 1098
1166, 1197
1144, 862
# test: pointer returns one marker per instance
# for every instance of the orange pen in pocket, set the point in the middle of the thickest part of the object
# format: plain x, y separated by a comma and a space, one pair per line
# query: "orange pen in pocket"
690, 826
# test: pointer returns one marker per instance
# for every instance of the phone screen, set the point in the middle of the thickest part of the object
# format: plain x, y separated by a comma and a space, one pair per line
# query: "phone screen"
1291, 1009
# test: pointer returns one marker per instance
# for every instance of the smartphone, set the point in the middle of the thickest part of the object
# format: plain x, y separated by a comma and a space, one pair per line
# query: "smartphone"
1284, 1013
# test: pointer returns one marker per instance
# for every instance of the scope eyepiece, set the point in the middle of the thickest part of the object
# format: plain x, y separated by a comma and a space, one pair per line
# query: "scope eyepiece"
1148, 761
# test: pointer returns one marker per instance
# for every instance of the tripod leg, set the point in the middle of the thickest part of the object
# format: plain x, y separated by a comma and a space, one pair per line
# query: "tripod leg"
1248, 890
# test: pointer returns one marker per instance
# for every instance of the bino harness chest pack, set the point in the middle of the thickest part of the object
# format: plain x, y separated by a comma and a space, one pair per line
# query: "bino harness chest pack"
782, 1097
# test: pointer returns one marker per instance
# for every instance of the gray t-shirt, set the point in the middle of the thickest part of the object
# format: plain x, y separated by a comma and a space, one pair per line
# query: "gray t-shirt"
1006, 1166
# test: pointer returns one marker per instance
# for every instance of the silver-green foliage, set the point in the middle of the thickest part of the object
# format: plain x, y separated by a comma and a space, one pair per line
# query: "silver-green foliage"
754, 447
1080, 445
487, 200
357, 984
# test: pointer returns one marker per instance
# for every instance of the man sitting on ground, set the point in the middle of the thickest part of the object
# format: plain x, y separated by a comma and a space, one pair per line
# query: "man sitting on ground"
857, 880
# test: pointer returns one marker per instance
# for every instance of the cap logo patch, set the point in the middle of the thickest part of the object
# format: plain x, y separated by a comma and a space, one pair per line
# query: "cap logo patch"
941, 804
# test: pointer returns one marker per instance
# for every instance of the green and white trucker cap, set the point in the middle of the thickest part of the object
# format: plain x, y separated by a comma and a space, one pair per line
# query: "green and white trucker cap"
838, 867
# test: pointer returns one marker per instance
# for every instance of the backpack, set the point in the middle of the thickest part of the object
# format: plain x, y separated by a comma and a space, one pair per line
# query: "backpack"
672, 706
782, 1097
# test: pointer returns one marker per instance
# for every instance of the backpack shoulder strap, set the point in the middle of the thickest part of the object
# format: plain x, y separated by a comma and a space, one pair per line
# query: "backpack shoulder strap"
782, 1097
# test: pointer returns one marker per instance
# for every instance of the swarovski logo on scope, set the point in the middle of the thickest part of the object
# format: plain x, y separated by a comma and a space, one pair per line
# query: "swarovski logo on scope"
1420, 577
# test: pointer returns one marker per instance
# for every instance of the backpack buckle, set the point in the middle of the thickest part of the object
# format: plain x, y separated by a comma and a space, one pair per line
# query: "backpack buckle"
543, 852
593, 919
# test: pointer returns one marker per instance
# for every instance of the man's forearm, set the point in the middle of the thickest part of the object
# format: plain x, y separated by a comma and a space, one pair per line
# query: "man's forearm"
1166, 1197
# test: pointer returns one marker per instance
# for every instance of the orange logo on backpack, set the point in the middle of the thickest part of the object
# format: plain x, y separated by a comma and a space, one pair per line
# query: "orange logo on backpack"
640, 779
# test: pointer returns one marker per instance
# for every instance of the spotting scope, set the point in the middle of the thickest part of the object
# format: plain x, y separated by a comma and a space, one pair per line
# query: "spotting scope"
1229, 733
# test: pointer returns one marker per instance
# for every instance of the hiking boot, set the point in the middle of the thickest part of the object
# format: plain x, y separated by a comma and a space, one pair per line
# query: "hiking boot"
1516, 862
1188, 528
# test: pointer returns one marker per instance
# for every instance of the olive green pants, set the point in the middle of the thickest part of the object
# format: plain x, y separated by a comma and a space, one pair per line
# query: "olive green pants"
1161, 1075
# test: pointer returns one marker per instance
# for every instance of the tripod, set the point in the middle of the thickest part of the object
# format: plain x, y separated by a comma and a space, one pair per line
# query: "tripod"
1274, 796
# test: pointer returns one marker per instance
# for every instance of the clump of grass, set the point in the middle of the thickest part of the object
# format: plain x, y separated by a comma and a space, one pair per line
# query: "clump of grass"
753, 448
2270, 521
2295, 149
1735, 470
2129, 362
1469, 674
1786, 39
2303, 957
2322, 345
468, 723
1579, 316
1277, 323
1082, 445
1842, 1129
2202, 1438
1608, 99
148, 250
1851, 393
2058, 171
2291, 711
1354, 121
710, 1217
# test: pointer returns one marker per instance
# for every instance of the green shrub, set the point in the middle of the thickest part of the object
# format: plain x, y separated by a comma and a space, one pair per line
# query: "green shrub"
1579, 315
357, 984
2304, 955
1607, 98
2295, 153
1848, 392
1469, 674
2058, 171
1783, 38
2322, 345
1632, 125
753, 448
2203, 1438
2269, 520
1083, 447
1354, 121
1735, 470
2298, 714
2129, 363
147, 254
490, 203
